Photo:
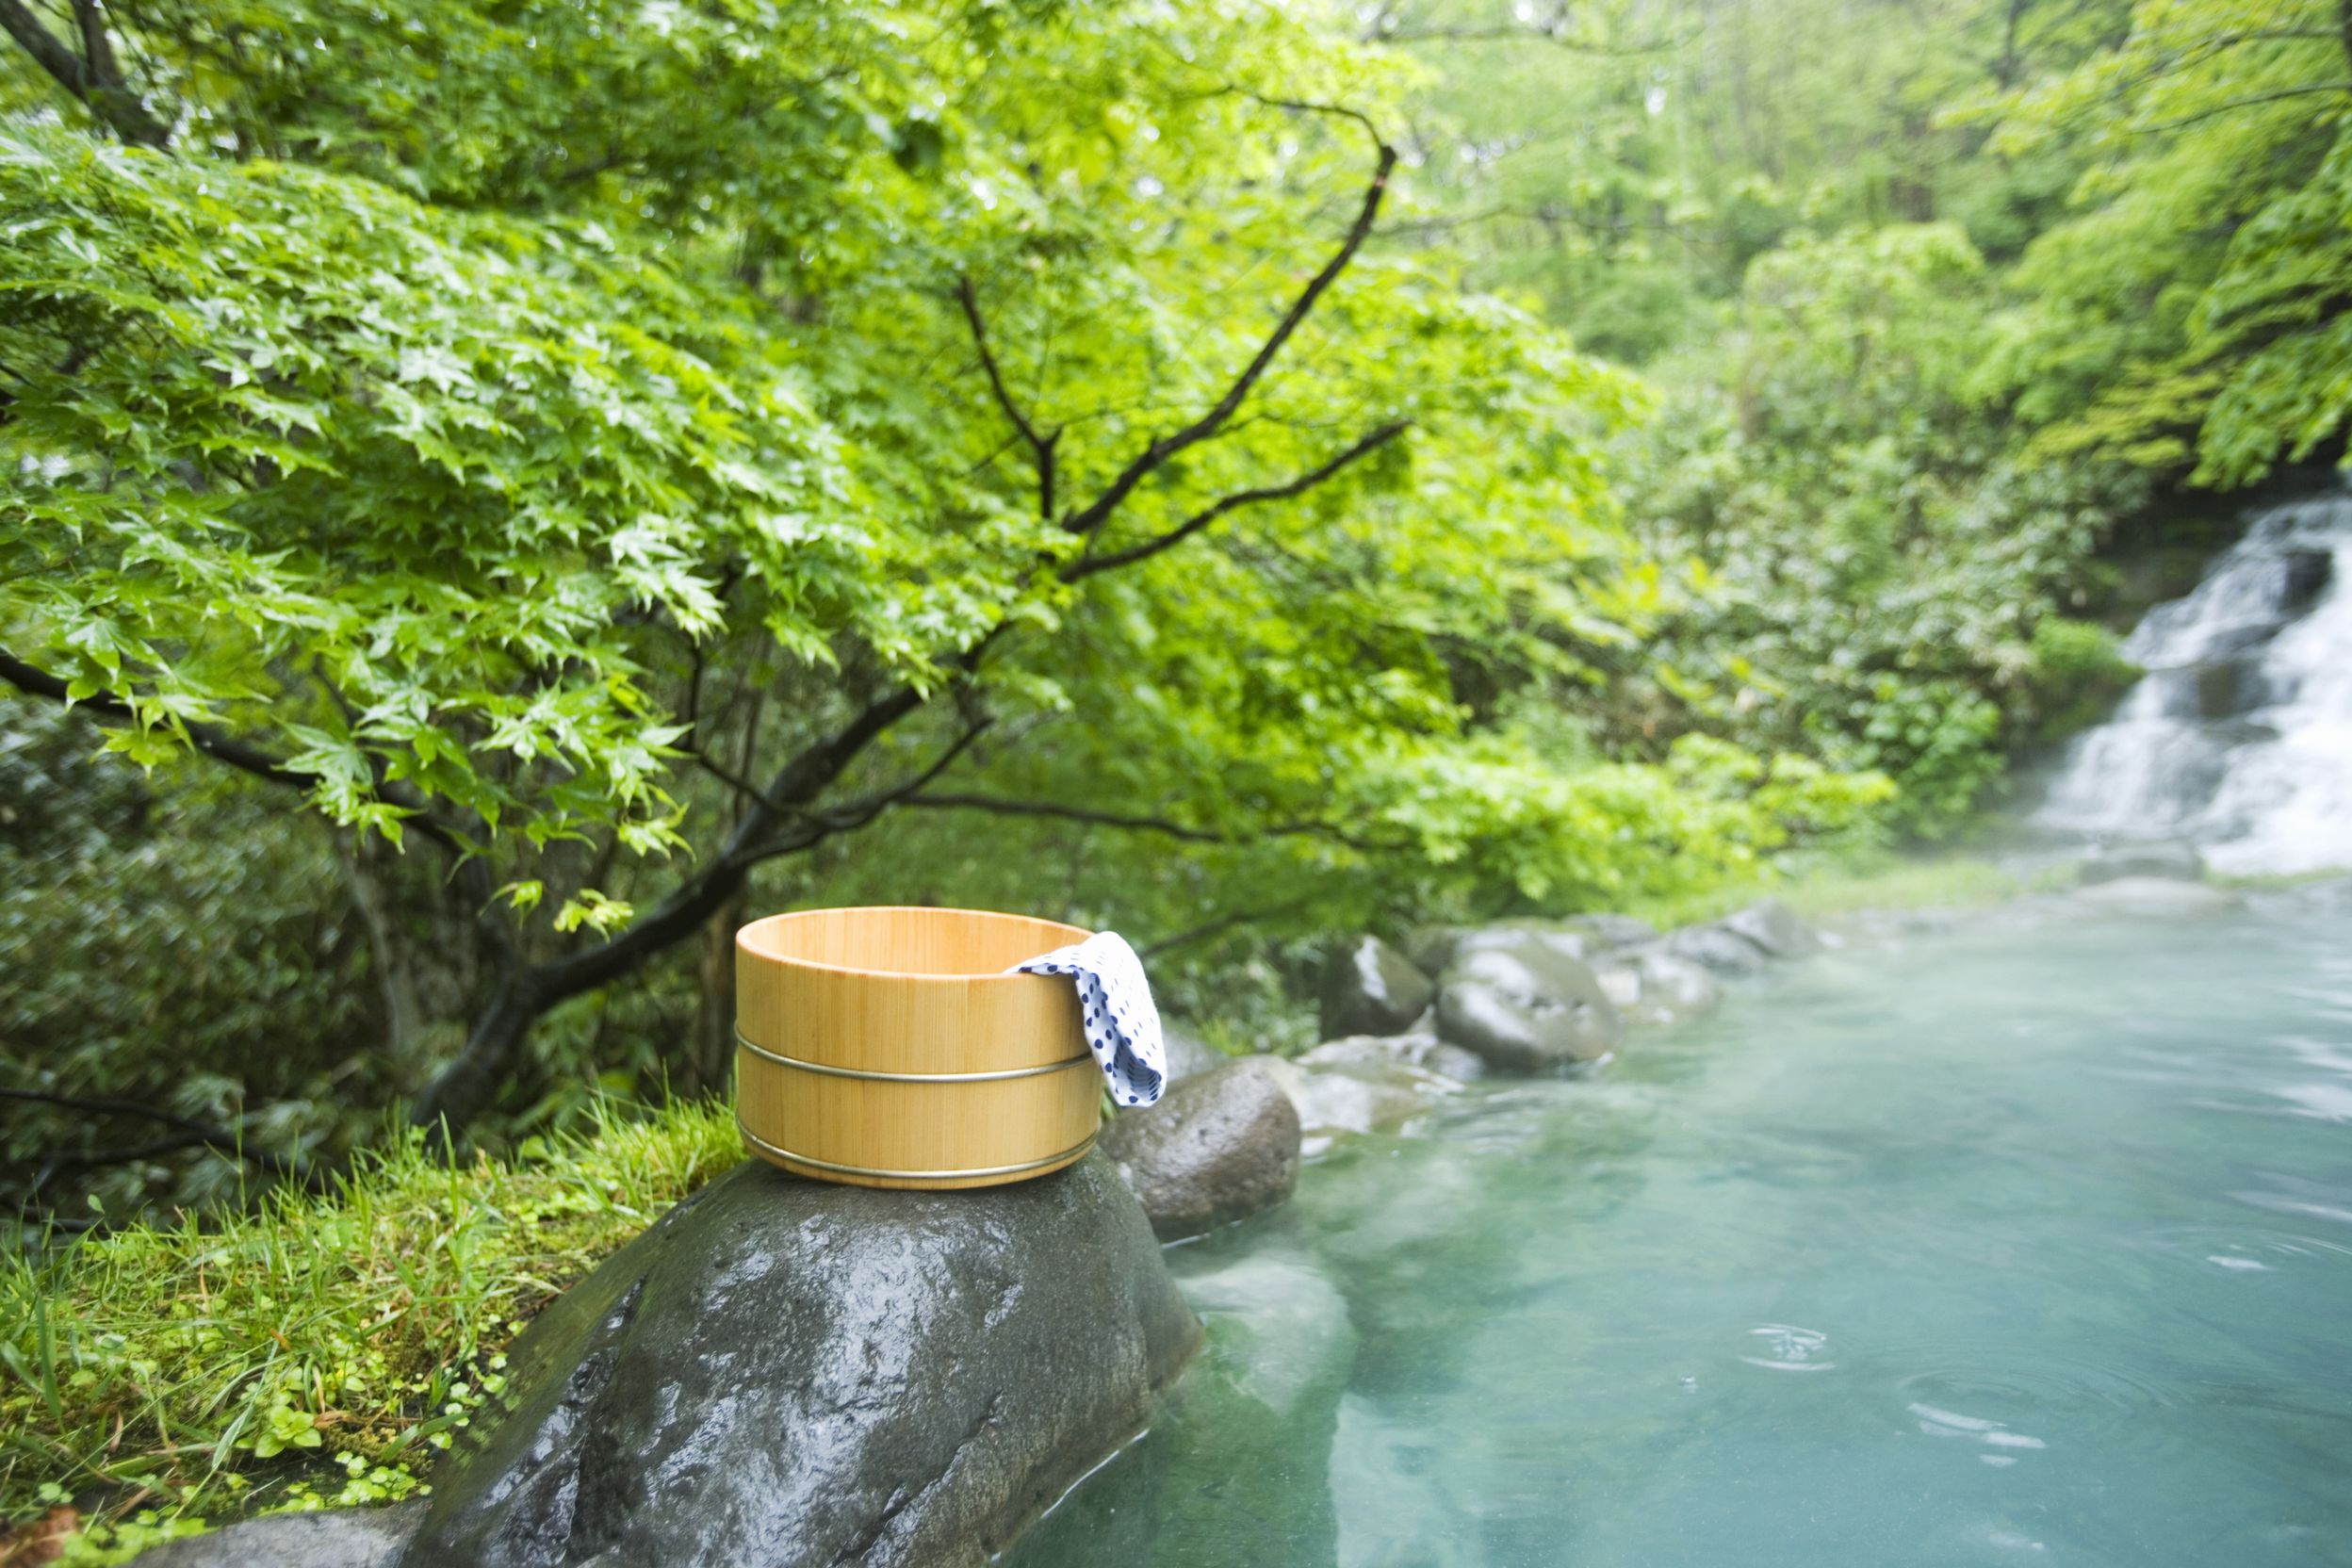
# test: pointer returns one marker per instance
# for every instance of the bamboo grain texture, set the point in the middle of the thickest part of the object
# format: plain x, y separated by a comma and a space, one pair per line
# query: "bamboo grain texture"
919, 994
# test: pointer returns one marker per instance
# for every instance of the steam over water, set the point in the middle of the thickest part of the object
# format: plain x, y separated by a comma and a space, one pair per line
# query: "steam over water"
2239, 736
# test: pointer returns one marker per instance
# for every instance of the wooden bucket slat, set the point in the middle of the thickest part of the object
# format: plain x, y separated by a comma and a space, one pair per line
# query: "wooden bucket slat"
826, 998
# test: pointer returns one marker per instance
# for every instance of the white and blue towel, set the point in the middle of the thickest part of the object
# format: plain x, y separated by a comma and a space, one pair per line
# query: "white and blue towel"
1115, 1000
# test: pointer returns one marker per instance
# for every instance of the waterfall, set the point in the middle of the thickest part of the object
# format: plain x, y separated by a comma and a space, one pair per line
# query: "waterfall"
2239, 737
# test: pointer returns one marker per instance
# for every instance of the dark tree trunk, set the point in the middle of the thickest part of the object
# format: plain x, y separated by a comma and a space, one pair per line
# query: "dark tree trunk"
711, 1060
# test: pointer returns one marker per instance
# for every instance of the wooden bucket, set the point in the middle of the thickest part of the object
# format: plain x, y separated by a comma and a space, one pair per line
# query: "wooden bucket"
888, 1048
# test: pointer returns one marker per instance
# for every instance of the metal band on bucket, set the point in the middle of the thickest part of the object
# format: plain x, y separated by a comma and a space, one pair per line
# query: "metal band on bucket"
830, 1071
765, 1147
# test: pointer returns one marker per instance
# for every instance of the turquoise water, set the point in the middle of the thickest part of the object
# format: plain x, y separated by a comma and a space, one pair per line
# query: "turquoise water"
2005, 1246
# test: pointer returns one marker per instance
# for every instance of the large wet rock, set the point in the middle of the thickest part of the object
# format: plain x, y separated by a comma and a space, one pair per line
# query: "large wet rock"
783, 1374
333, 1538
1371, 989
1218, 1148
1526, 1007
2171, 859
1435, 948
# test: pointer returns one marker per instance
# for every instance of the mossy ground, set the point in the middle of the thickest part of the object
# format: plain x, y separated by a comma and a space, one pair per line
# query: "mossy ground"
314, 1349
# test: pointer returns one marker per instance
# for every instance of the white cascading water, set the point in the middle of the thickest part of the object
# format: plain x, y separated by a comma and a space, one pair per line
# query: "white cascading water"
2239, 738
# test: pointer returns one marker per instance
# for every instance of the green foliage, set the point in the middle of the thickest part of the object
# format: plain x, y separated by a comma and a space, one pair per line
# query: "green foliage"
173, 944
2078, 672
2188, 313
1840, 460
313, 1351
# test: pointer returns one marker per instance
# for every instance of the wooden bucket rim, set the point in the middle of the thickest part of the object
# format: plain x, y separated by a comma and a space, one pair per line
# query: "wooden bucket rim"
744, 943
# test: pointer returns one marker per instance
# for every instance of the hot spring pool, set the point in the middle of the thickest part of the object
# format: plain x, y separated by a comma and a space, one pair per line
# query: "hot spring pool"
2030, 1243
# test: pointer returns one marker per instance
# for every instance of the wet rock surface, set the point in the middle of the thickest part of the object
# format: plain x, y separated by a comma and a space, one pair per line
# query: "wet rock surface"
1652, 986
1523, 1006
1417, 1049
1371, 989
1337, 1101
1219, 1147
336, 1538
1714, 948
781, 1374
1611, 932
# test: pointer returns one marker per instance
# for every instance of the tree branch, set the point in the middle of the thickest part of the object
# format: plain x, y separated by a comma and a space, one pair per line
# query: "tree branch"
1141, 465
222, 746
189, 1133
1004, 806
92, 77
1040, 445
2248, 102
213, 743
1085, 567
470, 1079
1217, 927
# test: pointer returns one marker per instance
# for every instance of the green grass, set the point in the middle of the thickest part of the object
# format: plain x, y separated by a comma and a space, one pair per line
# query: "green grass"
1820, 889
311, 1349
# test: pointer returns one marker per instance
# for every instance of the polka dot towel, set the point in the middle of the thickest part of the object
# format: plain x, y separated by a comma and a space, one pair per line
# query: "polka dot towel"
1115, 1000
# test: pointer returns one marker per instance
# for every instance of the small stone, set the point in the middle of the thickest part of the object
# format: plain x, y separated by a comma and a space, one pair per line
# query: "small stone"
1715, 948
1773, 927
1342, 1102
1614, 931
1371, 989
1674, 988
1430, 948
1216, 1149
333, 1538
1420, 1048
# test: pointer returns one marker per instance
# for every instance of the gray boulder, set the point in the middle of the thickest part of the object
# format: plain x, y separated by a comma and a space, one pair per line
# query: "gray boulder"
1567, 941
2171, 859
334, 1538
1525, 1007
1216, 1149
1773, 927
1371, 989
1430, 948
1613, 932
1417, 1049
783, 1373
1714, 948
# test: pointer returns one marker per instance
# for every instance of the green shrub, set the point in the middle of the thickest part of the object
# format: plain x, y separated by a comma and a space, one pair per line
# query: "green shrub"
2078, 672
